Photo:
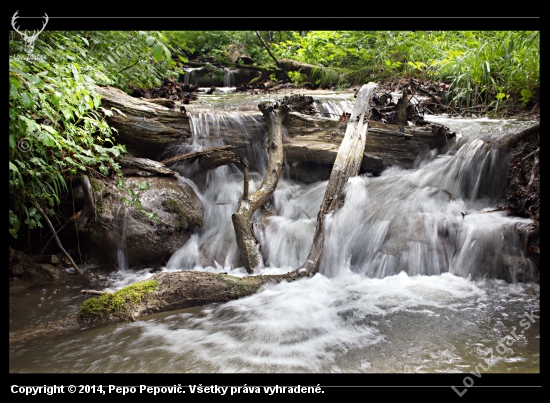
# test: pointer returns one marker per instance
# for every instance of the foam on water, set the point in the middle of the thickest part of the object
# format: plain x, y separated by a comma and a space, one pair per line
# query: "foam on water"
352, 323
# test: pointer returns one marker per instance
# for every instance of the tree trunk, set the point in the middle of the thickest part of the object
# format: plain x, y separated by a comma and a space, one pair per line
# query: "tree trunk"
267, 48
248, 205
402, 106
347, 164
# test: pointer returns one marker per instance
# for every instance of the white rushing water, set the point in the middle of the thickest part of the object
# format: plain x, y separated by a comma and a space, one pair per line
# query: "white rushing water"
406, 283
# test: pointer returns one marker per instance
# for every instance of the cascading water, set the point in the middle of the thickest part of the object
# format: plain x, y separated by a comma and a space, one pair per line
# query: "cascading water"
407, 281
120, 238
190, 77
433, 219
228, 78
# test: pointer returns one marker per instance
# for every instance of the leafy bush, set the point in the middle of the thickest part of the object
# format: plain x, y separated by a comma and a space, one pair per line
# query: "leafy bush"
56, 126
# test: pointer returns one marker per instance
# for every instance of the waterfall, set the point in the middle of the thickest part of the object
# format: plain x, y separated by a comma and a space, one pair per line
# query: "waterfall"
214, 244
189, 76
407, 283
119, 238
228, 78
333, 107
432, 219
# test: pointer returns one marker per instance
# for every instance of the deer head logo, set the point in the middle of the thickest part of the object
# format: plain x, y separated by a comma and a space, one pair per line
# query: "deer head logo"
29, 39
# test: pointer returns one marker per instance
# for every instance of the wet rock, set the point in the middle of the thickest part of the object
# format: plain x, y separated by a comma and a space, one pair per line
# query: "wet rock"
43, 272
127, 230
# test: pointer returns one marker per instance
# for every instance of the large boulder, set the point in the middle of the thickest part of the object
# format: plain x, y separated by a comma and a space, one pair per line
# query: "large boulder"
123, 234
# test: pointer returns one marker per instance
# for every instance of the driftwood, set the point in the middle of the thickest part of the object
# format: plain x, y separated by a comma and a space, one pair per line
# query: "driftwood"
148, 130
402, 106
131, 166
210, 158
246, 240
167, 103
347, 164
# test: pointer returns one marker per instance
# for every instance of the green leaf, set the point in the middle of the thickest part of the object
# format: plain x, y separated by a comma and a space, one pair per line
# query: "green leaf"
13, 167
115, 151
15, 82
157, 52
526, 94
26, 100
47, 139
76, 75
13, 91
150, 40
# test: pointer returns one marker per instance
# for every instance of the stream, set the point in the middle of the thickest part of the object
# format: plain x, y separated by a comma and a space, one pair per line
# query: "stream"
408, 282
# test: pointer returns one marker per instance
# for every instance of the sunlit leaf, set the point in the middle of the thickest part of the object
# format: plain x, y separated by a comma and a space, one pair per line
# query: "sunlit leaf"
26, 100
157, 52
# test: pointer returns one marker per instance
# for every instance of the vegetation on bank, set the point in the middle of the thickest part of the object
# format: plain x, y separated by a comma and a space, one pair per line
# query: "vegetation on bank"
56, 123
483, 68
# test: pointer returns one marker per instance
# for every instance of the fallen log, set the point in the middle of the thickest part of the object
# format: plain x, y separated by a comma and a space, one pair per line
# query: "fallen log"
510, 141
347, 164
209, 158
132, 166
149, 130
175, 290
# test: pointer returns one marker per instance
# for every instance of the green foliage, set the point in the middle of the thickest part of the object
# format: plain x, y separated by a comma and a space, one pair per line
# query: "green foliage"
480, 63
118, 303
475, 63
55, 131
330, 78
214, 45
296, 77
526, 96
56, 126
